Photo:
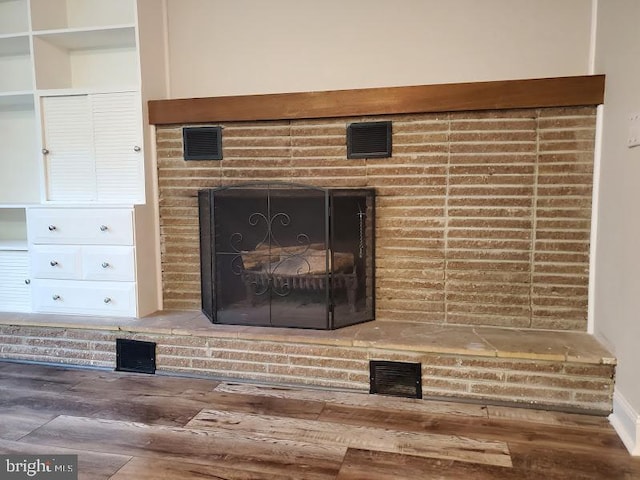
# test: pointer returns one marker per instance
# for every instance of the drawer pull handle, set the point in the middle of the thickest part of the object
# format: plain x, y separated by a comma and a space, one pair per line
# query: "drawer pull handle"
105, 265
53, 263
107, 300
27, 281
45, 151
56, 297
52, 228
136, 148
103, 228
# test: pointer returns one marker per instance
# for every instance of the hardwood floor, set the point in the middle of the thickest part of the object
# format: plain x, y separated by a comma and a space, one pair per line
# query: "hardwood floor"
143, 427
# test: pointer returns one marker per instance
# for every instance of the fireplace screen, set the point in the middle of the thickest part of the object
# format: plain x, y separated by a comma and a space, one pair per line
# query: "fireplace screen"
286, 255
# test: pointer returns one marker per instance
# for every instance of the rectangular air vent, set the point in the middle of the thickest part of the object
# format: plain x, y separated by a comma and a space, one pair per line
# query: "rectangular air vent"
399, 379
135, 356
202, 143
369, 140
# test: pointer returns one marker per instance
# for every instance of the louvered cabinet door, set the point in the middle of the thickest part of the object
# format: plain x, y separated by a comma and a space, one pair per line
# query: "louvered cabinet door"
15, 291
93, 148
118, 147
68, 149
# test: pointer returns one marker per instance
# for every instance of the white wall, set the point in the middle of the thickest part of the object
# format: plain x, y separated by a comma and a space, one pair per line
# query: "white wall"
617, 279
230, 47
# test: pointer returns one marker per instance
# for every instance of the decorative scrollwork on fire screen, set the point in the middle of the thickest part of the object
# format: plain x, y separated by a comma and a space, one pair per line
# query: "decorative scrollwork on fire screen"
271, 267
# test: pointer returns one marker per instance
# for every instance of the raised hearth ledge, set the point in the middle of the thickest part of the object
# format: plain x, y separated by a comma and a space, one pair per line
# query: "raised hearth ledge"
558, 346
451, 97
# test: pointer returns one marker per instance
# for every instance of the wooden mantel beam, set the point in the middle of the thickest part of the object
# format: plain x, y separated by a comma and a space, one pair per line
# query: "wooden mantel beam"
452, 97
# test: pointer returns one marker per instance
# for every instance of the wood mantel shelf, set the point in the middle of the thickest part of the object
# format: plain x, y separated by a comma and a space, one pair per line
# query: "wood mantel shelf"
452, 97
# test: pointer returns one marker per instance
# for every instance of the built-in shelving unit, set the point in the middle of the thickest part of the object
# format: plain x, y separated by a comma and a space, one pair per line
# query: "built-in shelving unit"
72, 127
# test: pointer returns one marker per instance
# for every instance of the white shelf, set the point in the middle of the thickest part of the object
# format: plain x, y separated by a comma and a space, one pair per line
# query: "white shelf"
117, 36
61, 92
16, 206
17, 44
13, 245
16, 100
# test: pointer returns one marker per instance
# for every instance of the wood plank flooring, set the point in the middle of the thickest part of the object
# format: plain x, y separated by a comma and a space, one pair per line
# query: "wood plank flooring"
143, 427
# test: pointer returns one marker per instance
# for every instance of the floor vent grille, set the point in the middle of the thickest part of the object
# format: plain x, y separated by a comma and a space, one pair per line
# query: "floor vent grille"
135, 356
399, 379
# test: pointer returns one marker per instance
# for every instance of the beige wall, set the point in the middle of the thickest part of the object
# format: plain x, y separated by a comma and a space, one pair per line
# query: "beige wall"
229, 47
617, 285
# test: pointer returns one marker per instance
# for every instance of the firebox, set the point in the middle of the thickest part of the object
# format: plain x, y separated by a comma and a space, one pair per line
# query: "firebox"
287, 255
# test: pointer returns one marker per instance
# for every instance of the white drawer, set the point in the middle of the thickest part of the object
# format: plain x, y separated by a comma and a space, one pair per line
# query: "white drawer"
62, 262
108, 263
96, 298
96, 226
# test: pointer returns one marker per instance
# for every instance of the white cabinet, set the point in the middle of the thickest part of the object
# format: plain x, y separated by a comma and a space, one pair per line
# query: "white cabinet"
15, 291
83, 261
92, 148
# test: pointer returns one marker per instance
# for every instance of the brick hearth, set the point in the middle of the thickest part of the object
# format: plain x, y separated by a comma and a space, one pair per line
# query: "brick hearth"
558, 370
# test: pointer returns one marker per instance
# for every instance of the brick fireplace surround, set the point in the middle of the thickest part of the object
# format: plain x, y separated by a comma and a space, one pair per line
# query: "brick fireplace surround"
482, 218
482, 252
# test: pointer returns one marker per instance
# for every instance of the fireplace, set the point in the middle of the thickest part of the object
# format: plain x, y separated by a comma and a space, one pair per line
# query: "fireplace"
287, 255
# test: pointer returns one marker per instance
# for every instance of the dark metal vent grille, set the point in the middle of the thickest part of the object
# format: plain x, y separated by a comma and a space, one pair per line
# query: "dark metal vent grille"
202, 143
369, 140
399, 379
135, 356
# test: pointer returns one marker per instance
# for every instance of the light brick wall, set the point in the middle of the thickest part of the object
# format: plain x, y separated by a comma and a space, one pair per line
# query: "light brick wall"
483, 218
564, 385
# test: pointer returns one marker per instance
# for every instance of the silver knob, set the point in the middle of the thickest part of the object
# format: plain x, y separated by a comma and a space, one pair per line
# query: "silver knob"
53, 263
103, 228
45, 151
105, 265
56, 297
52, 228
107, 300
27, 281
136, 148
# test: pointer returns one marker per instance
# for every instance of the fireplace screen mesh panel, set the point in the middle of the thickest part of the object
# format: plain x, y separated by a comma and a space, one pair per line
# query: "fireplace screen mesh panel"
287, 255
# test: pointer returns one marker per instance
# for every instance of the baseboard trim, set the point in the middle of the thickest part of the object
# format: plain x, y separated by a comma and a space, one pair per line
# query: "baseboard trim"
626, 421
